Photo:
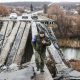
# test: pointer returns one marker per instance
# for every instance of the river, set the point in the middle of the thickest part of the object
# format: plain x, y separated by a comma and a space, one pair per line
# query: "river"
71, 53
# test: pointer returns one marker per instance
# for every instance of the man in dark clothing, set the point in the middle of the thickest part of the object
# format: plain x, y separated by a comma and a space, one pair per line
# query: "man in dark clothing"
39, 43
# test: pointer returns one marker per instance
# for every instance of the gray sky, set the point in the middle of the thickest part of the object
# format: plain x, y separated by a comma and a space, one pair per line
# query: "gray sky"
40, 0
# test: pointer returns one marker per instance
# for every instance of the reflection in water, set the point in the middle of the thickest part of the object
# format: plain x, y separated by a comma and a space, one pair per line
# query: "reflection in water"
71, 53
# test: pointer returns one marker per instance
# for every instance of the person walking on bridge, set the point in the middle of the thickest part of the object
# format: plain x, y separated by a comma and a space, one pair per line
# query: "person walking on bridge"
39, 43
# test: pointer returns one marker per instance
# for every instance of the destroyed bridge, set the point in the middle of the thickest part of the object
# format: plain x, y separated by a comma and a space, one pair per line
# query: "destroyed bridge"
17, 61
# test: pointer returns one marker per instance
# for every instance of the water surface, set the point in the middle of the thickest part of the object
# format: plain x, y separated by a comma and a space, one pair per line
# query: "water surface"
71, 53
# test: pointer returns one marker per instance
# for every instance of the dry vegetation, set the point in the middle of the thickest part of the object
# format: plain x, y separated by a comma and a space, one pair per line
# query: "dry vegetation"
4, 10
68, 25
73, 43
75, 64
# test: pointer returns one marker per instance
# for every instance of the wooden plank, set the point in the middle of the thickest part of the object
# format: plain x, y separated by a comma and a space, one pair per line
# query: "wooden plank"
9, 43
17, 58
16, 43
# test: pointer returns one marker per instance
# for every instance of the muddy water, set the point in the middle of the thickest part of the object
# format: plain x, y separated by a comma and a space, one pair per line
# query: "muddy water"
71, 53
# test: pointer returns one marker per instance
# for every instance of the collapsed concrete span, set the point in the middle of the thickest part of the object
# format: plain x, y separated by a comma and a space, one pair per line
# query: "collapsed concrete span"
16, 48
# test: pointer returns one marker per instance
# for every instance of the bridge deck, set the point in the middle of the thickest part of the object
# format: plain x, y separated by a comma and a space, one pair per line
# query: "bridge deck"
24, 74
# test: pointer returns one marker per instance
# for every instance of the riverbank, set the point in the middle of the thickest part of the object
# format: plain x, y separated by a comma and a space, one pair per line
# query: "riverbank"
75, 64
69, 43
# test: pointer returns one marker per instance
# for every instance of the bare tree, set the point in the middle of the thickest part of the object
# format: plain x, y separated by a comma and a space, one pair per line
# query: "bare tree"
4, 10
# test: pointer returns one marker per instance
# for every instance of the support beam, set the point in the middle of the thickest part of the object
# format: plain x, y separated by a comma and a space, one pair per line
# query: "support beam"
4, 27
8, 32
16, 44
59, 63
17, 58
9, 43
3, 31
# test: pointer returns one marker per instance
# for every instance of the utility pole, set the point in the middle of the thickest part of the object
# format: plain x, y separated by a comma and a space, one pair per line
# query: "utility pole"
45, 8
31, 7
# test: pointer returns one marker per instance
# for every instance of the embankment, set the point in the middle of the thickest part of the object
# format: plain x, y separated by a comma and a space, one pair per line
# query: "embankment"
70, 43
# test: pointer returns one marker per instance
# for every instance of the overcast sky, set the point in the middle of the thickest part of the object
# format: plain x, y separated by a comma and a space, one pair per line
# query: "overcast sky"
40, 0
